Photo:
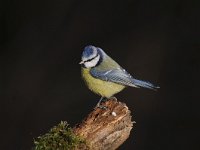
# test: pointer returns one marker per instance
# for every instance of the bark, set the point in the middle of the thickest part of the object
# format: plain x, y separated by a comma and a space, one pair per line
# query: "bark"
106, 129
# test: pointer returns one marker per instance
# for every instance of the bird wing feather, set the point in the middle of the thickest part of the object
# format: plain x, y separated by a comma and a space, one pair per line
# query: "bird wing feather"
119, 76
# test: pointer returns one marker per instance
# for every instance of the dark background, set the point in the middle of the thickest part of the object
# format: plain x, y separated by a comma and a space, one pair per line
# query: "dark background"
41, 44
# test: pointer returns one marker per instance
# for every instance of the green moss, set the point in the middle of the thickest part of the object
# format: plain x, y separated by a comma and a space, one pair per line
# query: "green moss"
60, 137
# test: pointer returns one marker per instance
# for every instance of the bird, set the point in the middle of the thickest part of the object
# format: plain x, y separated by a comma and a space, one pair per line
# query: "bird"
104, 76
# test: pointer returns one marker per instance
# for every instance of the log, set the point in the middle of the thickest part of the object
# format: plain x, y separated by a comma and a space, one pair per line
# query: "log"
106, 129
102, 129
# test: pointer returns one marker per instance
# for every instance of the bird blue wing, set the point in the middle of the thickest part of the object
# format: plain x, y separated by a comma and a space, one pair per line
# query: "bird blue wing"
121, 76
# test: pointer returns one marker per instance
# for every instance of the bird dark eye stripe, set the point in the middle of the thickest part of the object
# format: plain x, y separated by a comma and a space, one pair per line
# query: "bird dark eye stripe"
92, 58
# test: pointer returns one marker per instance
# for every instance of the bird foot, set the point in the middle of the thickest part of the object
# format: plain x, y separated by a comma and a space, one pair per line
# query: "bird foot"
103, 99
113, 98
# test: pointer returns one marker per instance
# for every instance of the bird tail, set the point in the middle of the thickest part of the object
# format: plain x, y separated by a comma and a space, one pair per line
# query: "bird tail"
144, 84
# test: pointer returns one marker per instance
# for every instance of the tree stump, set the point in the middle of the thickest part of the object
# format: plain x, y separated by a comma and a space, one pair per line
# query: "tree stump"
106, 129
102, 129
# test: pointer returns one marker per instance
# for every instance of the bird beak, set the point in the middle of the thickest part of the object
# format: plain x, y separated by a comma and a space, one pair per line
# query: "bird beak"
81, 62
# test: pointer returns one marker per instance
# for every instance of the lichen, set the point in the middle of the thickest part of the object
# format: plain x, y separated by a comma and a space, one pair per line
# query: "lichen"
60, 137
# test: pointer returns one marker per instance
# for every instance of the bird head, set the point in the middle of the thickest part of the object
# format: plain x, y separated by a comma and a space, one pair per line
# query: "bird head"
90, 56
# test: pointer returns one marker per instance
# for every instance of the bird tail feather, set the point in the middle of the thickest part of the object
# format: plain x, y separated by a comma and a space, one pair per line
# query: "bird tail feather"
144, 84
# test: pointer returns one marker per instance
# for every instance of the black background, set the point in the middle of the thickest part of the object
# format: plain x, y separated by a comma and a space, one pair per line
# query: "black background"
40, 84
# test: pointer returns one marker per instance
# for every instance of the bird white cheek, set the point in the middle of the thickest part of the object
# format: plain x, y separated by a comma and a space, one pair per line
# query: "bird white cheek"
92, 63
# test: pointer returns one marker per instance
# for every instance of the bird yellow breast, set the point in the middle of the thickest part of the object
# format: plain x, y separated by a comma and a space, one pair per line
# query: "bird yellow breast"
103, 88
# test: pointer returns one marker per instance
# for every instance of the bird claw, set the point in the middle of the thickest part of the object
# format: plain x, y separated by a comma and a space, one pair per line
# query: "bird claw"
103, 99
113, 98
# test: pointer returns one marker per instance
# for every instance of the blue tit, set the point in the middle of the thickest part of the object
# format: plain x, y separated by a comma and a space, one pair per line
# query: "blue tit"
104, 76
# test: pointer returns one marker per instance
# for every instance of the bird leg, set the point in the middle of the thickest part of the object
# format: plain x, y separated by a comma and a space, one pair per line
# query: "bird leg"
102, 99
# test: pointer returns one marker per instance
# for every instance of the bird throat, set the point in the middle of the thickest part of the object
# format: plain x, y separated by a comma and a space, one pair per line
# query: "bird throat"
93, 62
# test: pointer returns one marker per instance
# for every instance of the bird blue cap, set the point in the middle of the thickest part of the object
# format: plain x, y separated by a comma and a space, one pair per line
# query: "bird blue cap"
89, 52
